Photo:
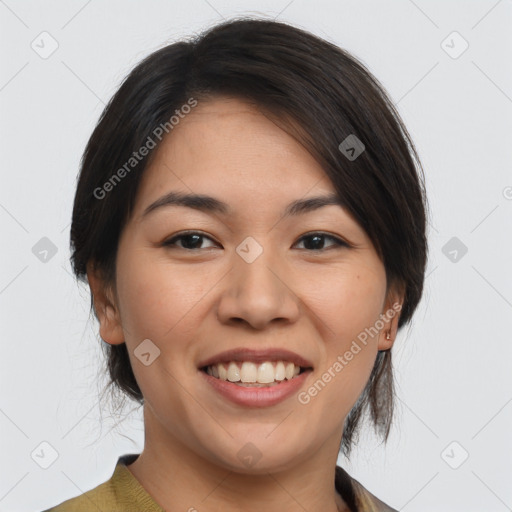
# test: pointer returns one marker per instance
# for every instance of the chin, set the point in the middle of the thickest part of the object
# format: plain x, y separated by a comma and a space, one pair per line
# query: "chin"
257, 456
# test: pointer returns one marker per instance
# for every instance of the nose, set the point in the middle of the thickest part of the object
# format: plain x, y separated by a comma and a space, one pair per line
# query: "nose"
258, 294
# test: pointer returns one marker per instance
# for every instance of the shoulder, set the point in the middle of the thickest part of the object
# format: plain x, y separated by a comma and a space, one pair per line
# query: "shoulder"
121, 493
366, 501
101, 497
370, 502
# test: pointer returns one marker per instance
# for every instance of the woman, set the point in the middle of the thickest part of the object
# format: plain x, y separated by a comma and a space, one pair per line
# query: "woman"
250, 217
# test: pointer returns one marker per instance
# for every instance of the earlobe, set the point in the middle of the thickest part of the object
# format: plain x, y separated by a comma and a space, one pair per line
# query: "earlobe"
389, 317
105, 308
387, 336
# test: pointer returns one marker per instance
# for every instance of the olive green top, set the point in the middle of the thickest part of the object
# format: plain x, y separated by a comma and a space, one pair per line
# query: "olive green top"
123, 493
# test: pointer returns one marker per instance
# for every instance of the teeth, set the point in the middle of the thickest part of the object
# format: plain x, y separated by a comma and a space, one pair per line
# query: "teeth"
249, 372
223, 373
288, 372
267, 372
280, 371
233, 372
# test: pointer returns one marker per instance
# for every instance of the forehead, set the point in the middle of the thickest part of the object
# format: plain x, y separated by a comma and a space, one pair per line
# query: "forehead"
230, 146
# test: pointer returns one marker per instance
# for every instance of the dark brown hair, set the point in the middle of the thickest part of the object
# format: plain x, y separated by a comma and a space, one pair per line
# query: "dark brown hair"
319, 92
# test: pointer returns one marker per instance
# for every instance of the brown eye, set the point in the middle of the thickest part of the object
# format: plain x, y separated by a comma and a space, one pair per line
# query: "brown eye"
316, 241
191, 240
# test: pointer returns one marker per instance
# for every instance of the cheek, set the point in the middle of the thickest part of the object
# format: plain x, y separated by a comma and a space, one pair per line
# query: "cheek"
156, 296
350, 306
349, 301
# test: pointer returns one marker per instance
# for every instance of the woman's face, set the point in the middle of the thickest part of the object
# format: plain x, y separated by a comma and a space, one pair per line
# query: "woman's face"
249, 278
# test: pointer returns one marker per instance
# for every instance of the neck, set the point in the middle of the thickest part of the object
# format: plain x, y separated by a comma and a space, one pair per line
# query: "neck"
178, 478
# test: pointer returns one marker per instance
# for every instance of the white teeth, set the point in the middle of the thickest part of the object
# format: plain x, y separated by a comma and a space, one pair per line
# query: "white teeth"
288, 372
248, 372
280, 371
223, 373
233, 372
267, 372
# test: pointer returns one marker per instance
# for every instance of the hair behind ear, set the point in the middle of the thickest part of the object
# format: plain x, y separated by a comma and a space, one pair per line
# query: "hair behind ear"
378, 397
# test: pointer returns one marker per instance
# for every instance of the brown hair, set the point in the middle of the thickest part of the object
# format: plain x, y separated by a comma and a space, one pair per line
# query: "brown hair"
316, 89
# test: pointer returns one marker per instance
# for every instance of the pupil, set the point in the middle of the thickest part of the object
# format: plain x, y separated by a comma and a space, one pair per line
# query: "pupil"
193, 244
314, 245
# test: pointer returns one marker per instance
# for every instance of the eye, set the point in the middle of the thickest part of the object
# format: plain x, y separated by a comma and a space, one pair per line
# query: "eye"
191, 240
316, 241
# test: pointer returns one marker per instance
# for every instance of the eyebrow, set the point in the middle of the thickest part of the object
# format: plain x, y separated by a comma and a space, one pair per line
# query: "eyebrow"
209, 204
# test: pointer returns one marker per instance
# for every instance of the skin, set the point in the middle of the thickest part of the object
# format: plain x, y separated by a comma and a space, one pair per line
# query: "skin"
194, 303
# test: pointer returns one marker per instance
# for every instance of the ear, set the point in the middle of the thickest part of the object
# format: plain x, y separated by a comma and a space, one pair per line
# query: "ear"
390, 315
105, 307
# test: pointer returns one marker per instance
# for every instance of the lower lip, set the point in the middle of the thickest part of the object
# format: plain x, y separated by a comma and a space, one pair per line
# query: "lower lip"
257, 397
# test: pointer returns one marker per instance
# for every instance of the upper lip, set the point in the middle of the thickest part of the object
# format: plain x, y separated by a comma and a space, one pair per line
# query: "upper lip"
256, 356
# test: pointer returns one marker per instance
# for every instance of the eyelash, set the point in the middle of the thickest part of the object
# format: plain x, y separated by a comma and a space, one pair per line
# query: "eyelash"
170, 243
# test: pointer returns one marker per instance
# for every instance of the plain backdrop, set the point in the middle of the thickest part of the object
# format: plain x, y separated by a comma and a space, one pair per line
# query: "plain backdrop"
446, 64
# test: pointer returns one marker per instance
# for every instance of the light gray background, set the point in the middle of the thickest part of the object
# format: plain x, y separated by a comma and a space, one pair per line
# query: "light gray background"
453, 367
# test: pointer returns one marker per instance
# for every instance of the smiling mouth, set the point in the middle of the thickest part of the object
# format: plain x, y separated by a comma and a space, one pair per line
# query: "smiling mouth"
249, 374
